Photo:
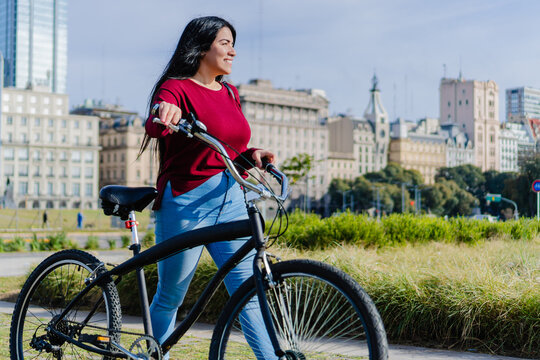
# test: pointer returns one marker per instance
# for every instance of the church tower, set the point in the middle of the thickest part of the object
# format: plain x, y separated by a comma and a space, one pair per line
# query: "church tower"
377, 116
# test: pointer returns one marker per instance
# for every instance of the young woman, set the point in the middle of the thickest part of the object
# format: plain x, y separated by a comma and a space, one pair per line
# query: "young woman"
195, 190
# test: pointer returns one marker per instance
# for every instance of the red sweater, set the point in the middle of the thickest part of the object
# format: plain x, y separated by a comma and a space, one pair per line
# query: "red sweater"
187, 163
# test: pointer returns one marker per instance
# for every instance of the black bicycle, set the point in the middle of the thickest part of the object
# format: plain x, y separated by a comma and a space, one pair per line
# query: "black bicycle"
69, 307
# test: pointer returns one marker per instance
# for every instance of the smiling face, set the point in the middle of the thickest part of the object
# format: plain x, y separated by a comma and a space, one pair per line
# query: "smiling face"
218, 60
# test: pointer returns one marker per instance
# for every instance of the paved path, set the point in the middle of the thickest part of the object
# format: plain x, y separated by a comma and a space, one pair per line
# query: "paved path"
13, 264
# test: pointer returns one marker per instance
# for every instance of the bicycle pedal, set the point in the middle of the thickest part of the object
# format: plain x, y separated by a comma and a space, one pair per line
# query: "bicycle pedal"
97, 340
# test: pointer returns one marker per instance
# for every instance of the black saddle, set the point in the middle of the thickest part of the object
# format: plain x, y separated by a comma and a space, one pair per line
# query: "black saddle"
120, 200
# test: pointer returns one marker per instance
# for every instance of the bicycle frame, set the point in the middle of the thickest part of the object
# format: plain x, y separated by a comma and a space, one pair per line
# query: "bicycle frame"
203, 236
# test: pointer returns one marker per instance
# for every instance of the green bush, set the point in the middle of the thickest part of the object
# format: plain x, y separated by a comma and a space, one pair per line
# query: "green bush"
126, 240
111, 243
309, 231
17, 244
60, 242
148, 240
92, 243
37, 244
2, 245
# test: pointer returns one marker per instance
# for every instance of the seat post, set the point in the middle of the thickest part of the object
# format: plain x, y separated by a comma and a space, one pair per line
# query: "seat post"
132, 224
141, 281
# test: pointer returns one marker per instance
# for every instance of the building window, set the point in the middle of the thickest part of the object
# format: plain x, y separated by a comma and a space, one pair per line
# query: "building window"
88, 172
89, 190
23, 188
9, 170
76, 156
76, 172
50, 188
89, 157
23, 154
9, 154
76, 189
64, 189
36, 188
23, 170
9, 120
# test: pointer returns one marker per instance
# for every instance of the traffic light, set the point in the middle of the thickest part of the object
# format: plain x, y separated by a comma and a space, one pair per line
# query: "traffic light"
412, 203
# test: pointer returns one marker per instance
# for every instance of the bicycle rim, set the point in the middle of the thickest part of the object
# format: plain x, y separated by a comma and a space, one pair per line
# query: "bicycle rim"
315, 318
47, 292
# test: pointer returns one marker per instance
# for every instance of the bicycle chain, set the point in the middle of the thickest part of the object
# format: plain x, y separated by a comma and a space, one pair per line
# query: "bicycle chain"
107, 329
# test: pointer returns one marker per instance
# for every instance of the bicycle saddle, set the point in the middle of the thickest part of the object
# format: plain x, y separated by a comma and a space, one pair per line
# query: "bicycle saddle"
120, 200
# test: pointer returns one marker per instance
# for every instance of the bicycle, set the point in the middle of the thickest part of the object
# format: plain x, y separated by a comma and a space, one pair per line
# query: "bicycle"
69, 306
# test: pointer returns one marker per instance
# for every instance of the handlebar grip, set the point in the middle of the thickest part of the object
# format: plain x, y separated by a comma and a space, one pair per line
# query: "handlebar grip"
171, 126
271, 169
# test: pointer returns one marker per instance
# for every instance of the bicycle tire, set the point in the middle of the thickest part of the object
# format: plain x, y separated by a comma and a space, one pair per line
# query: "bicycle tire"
46, 292
308, 296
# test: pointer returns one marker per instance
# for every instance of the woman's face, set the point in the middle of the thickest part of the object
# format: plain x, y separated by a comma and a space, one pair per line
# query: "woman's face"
220, 56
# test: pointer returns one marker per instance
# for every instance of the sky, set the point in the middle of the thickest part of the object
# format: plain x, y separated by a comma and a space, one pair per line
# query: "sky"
118, 49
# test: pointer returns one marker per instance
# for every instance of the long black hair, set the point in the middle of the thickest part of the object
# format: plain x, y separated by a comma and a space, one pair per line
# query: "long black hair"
195, 41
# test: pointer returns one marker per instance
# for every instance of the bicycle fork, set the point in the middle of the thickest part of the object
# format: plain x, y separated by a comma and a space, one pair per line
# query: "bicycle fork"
260, 259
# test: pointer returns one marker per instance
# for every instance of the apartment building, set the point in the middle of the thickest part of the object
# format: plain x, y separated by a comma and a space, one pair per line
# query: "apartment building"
290, 122
473, 105
49, 158
422, 147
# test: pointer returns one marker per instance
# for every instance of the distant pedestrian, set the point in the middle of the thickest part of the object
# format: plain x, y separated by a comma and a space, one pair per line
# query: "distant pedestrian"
80, 218
45, 219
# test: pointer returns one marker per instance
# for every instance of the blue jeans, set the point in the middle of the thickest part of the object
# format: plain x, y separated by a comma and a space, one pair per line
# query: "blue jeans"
218, 200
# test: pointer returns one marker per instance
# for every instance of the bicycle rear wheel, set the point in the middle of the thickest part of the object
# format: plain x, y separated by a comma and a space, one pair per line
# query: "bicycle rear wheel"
319, 312
50, 287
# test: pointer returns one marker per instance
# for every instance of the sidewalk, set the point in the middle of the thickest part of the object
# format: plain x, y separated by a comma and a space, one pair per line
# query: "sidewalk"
397, 352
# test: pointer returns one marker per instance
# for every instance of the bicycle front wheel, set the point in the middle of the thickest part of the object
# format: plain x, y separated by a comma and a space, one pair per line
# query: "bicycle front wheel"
46, 293
318, 311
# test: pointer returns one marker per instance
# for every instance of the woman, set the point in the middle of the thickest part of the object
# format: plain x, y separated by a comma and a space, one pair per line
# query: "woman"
194, 188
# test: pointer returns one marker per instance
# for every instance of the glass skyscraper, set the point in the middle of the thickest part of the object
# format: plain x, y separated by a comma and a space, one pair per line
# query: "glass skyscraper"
33, 42
523, 101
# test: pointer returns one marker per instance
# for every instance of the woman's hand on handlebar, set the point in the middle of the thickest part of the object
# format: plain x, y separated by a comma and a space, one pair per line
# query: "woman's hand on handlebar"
261, 156
168, 114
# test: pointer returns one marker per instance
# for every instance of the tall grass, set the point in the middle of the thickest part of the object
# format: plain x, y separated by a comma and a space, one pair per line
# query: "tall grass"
483, 295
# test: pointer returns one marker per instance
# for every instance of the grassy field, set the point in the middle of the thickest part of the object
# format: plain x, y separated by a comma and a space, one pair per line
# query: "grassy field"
23, 220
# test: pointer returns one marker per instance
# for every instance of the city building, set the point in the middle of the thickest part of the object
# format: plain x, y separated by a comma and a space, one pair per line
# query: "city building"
33, 42
473, 106
289, 123
459, 148
48, 158
120, 136
365, 138
422, 147
523, 101
517, 143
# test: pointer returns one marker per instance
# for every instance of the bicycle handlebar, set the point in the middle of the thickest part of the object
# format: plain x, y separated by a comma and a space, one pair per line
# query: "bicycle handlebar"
197, 129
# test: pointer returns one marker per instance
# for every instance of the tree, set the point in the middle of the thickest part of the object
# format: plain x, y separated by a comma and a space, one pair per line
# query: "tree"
446, 197
468, 177
297, 167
